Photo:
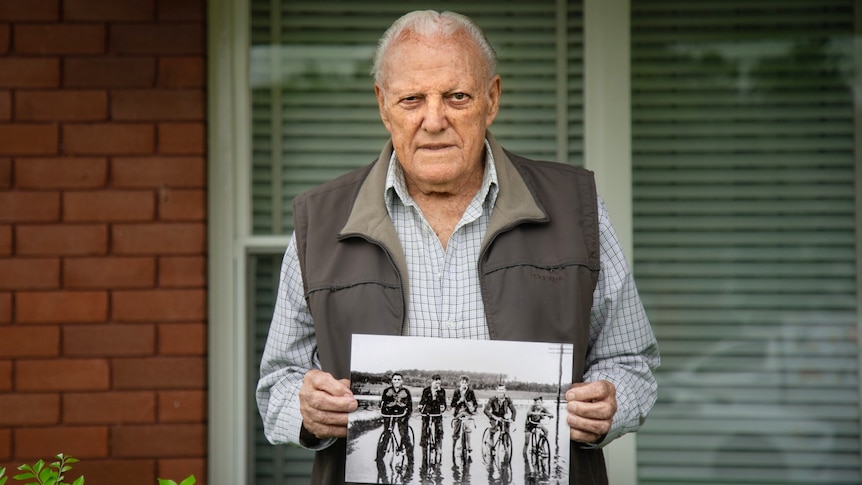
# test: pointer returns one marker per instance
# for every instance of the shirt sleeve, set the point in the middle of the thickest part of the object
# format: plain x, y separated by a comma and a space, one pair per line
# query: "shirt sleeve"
290, 352
623, 348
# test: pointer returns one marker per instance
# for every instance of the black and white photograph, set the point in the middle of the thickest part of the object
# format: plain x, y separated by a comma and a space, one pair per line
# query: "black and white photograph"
478, 412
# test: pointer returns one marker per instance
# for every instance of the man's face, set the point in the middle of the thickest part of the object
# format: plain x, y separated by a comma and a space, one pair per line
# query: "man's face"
396, 381
501, 392
435, 384
436, 101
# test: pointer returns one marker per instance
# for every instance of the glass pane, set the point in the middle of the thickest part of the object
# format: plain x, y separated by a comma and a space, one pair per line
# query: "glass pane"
744, 242
272, 465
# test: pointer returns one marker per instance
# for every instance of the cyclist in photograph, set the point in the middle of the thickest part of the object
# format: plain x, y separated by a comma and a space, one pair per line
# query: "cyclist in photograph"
463, 404
534, 420
433, 401
396, 401
499, 409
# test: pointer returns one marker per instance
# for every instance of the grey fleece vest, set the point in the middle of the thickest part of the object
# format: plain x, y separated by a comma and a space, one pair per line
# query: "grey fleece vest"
538, 269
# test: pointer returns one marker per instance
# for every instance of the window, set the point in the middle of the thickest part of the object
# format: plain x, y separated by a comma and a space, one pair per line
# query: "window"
745, 239
314, 116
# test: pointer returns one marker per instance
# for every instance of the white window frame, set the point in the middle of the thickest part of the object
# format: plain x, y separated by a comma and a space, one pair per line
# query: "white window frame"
607, 153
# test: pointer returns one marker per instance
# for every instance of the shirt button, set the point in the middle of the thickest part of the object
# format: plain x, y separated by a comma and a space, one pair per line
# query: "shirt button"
450, 324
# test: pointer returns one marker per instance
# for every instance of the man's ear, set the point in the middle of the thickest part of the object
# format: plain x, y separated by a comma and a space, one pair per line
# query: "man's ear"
494, 92
381, 106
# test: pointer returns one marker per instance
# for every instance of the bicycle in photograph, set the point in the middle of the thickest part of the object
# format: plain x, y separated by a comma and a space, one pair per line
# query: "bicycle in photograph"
539, 452
499, 447
392, 449
431, 447
461, 447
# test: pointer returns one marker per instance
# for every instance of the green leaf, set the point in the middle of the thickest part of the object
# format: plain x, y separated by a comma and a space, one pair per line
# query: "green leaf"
162, 481
69, 459
190, 480
23, 476
78, 481
47, 477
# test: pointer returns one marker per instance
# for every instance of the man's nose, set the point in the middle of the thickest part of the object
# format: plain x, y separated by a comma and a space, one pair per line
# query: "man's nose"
435, 115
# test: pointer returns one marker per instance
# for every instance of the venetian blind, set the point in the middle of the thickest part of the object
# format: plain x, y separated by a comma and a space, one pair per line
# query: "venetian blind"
314, 116
744, 239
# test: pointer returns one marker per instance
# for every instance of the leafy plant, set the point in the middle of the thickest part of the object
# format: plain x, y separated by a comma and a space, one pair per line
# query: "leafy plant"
52, 474
190, 480
48, 475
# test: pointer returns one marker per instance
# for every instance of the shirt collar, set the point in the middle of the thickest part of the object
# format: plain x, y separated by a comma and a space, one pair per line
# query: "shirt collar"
397, 187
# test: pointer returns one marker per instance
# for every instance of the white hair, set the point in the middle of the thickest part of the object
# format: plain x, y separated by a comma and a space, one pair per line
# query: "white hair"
430, 23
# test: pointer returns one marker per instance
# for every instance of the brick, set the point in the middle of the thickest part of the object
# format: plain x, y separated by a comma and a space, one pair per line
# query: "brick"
109, 72
5, 375
108, 340
157, 104
173, 10
109, 206
158, 305
179, 468
158, 172
182, 406
5, 35
28, 139
62, 375
29, 72
59, 39
108, 138
5, 309
134, 472
29, 206
66, 105
182, 271
61, 306
5, 173
18, 341
160, 373
29, 274
5, 241
160, 440
182, 72
155, 39
5, 106
182, 339
109, 273
29, 409
61, 239
82, 442
182, 138
6, 447
109, 408
61, 172
159, 239
182, 205
29, 10
108, 10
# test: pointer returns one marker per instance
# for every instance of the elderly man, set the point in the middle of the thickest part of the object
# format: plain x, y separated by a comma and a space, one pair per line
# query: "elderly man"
449, 235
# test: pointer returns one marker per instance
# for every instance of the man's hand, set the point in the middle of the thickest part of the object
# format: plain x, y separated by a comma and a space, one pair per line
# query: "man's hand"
324, 403
591, 406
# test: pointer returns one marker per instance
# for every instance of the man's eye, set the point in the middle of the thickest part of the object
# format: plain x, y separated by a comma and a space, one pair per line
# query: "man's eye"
460, 96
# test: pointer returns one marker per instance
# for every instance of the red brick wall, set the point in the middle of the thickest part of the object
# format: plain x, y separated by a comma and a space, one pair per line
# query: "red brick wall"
103, 237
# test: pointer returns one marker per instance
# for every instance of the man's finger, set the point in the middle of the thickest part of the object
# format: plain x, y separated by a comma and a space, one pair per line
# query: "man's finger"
590, 391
